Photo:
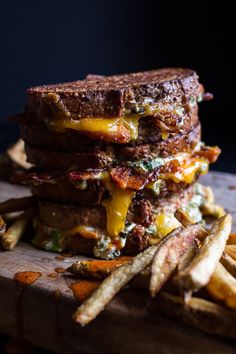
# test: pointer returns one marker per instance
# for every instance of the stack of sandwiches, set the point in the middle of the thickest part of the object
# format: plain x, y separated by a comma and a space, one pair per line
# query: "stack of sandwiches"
113, 158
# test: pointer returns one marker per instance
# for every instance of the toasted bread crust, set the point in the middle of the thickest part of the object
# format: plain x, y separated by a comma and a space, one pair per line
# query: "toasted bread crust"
111, 96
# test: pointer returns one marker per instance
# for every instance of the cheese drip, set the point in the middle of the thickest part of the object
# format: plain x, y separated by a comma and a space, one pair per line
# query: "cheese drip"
101, 126
117, 206
188, 171
165, 223
112, 127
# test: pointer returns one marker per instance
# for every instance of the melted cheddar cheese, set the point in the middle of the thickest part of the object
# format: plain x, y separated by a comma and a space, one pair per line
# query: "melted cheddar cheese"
165, 223
108, 126
189, 169
117, 206
83, 230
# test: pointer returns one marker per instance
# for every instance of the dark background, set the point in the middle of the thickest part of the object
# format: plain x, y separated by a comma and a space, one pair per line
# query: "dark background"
49, 41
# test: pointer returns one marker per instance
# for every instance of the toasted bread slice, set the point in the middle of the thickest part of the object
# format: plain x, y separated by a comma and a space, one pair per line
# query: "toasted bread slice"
113, 96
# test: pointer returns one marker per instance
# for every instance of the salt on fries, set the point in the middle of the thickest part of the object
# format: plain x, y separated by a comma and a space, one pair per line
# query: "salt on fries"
188, 256
169, 253
199, 271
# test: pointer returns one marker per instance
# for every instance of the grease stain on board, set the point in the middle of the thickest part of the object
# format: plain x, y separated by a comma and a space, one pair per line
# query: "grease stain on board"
22, 280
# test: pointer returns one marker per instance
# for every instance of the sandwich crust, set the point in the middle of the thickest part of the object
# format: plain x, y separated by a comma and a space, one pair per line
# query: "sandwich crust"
110, 96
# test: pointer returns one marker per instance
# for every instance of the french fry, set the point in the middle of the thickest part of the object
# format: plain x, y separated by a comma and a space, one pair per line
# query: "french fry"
231, 239
209, 195
2, 226
199, 313
214, 210
112, 285
17, 230
96, 269
222, 286
12, 205
17, 154
185, 220
168, 254
200, 270
188, 257
229, 263
231, 251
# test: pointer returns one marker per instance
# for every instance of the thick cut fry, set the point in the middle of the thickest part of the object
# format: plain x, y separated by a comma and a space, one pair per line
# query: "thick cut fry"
200, 270
231, 251
168, 254
17, 154
188, 257
2, 226
231, 239
222, 286
12, 205
199, 313
229, 263
96, 269
17, 230
111, 285
185, 220
214, 210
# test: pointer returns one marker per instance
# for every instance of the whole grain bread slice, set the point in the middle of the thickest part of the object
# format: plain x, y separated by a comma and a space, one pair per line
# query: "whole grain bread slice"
117, 95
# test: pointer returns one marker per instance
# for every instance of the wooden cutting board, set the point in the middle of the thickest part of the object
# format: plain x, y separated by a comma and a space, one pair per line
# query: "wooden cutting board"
41, 312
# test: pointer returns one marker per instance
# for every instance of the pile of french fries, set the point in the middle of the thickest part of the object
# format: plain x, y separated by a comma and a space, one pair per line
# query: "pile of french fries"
192, 269
15, 216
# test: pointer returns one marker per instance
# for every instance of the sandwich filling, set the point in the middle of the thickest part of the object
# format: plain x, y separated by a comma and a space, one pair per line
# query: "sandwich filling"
121, 185
111, 245
168, 118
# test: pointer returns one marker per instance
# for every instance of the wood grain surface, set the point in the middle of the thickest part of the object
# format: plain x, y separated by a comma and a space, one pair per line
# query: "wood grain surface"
42, 312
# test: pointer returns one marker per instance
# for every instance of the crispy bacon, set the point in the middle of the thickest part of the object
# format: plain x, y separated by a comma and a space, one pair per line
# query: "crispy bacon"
33, 177
137, 182
209, 153
167, 122
120, 175
79, 176
124, 177
120, 135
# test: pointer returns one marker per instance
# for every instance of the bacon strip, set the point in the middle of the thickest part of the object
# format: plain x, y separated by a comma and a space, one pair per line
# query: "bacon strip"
209, 153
